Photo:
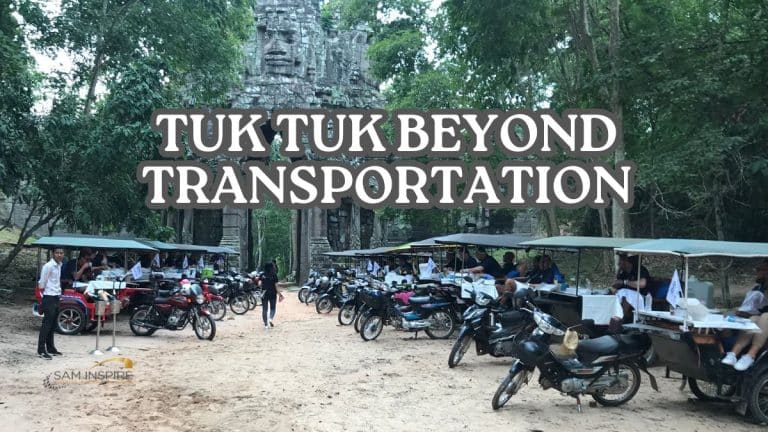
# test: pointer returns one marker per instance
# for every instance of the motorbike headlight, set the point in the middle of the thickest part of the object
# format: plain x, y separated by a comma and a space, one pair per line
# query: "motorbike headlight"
200, 299
542, 321
483, 300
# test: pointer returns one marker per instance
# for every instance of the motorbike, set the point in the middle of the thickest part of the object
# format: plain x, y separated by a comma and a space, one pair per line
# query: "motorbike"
433, 315
607, 368
312, 281
215, 303
250, 286
233, 293
338, 296
323, 285
496, 331
173, 310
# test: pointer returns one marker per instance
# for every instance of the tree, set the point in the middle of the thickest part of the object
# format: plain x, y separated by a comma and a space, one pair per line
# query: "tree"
80, 168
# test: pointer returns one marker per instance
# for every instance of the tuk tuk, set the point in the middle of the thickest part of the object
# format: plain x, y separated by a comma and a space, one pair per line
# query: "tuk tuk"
692, 341
572, 304
77, 308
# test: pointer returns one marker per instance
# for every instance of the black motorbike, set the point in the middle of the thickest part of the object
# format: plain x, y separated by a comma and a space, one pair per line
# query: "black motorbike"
606, 368
496, 330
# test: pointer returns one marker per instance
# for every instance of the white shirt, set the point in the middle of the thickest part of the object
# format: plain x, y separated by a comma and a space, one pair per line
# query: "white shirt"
49, 278
753, 302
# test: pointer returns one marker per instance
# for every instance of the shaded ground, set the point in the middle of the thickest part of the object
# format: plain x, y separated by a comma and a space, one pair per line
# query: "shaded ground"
306, 374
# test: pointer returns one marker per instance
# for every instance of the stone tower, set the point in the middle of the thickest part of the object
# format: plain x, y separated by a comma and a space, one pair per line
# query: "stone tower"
294, 61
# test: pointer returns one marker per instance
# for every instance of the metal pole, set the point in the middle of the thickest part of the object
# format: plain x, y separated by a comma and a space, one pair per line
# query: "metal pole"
99, 310
578, 270
685, 315
114, 310
637, 305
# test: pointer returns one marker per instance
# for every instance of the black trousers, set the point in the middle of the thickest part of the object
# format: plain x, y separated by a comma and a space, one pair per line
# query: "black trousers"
51, 312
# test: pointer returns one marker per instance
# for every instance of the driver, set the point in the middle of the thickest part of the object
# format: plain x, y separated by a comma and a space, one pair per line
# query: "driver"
754, 302
629, 287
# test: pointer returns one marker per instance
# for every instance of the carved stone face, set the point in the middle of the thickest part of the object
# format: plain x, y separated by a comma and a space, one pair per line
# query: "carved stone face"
278, 31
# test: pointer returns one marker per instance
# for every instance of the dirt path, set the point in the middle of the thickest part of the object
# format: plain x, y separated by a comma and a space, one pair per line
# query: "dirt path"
306, 374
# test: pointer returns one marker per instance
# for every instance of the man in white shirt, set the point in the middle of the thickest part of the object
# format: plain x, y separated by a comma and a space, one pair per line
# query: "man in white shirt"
50, 285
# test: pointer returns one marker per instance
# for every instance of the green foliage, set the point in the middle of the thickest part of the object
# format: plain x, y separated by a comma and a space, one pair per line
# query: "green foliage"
273, 236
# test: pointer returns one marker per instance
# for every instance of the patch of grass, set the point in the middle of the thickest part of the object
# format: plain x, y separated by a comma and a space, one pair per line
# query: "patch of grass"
11, 236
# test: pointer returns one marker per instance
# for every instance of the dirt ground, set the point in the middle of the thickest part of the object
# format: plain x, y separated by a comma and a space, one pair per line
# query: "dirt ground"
306, 374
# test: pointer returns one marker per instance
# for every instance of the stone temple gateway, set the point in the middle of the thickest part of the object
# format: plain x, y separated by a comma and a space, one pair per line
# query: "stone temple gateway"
295, 60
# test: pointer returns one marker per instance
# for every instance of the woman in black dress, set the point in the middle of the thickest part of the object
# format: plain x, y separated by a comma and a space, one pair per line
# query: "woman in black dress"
268, 284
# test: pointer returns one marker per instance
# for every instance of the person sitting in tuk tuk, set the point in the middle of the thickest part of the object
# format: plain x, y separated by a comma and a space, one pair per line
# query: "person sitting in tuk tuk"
543, 273
509, 265
404, 267
630, 286
486, 265
77, 270
755, 306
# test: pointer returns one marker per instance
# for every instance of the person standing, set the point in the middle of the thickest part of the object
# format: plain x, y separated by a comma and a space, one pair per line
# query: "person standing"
268, 284
50, 285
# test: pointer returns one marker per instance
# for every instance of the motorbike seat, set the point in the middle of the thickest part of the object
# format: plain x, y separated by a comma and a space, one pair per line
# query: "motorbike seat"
511, 318
420, 300
602, 346
161, 300
632, 343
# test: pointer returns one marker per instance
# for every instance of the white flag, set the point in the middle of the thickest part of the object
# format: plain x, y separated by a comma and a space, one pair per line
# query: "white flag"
185, 263
156, 260
431, 266
675, 290
375, 268
136, 271
200, 262
370, 266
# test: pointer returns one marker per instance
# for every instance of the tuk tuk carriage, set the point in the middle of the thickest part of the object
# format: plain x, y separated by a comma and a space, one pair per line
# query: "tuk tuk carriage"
572, 304
692, 341
77, 307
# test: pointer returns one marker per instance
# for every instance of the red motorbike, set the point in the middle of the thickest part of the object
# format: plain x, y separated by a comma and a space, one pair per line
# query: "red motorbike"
173, 310
215, 303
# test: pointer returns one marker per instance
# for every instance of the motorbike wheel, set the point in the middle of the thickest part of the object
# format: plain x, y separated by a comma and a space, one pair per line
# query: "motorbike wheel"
459, 349
444, 324
621, 398
509, 387
205, 327
303, 295
324, 305
239, 304
707, 391
362, 314
757, 397
371, 328
218, 309
71, 320
252, 302
346, 314
311, 298
139, 317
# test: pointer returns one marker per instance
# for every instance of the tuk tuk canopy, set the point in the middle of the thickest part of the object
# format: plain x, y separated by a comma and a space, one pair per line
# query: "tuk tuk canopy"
581, 242
697, 248
95, 242
487, 240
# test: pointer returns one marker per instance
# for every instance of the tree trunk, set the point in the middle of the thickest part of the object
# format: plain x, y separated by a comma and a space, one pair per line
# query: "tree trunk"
720, 232
550, 214
618, 214
26, 233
